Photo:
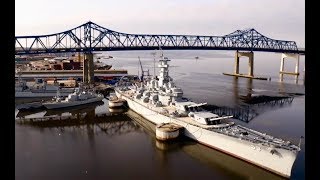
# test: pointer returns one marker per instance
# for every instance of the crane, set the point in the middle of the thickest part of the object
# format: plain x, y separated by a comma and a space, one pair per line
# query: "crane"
142, 71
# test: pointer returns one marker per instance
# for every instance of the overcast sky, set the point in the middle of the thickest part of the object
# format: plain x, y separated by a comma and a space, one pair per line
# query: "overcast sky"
277, 19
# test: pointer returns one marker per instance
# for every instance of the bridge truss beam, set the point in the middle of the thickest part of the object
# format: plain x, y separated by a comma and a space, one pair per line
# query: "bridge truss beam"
90, 37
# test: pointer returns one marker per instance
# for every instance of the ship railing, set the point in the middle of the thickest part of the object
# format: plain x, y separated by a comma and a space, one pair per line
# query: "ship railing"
259, 141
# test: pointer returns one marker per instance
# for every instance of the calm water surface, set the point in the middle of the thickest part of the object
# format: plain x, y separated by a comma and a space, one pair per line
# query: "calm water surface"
122, 145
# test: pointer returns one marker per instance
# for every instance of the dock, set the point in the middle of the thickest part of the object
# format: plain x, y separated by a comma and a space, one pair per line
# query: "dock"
77, 119
69, 73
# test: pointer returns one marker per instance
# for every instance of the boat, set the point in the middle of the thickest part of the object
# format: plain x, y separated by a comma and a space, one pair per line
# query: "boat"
158, 100
39, 89
80, 96
101, 66
85, 108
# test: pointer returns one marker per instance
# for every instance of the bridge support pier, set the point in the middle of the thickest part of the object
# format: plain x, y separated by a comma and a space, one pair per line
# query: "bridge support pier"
236, 64
85, 70
237, 57
296, 72
250, 64
250, 72
88, 69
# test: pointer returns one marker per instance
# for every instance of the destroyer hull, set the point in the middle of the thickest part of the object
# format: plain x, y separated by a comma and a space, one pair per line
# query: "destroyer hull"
279, 163
70, 104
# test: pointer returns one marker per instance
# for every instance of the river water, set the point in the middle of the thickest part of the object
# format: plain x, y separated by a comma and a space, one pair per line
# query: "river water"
103, 144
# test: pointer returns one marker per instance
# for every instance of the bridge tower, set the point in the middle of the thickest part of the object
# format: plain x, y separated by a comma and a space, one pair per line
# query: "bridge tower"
88, 68
296, 72
85, 70
237, 57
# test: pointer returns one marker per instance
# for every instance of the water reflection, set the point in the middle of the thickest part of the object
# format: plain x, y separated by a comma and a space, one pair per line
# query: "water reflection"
225, 163
111, 122
164, 146
296, 78
240, 94
88, 122
236, 90
250, 104
71, 111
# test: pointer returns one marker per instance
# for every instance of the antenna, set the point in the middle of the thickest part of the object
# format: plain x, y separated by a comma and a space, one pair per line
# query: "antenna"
154, 66
138, 67
161, 52
301, 137
142, 72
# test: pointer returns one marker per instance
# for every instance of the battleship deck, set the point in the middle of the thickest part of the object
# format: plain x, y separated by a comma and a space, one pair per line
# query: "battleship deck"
187, 119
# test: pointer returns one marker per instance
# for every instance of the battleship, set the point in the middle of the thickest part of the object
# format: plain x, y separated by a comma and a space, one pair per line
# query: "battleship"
158, 100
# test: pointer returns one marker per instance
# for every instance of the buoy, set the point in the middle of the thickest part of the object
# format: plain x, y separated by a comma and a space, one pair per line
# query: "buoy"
167, 131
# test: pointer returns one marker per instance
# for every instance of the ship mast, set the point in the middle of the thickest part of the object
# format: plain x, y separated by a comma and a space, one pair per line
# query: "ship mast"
154, 64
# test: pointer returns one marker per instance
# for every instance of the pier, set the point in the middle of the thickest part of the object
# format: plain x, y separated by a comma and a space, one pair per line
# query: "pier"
63, 74
250, 74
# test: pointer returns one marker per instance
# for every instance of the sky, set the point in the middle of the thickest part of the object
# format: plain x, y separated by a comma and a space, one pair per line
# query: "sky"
277, 19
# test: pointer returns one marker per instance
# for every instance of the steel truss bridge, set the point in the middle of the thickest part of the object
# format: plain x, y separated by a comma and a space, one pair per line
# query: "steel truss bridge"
91, 37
